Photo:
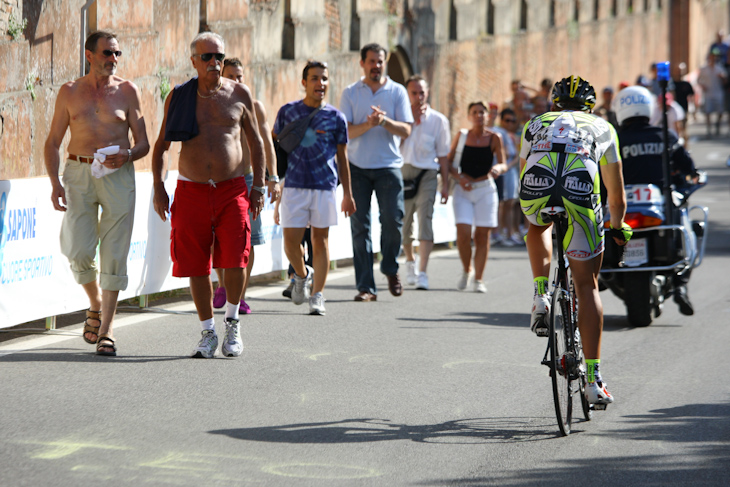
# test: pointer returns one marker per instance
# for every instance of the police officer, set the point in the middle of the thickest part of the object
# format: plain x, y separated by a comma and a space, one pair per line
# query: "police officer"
641, 147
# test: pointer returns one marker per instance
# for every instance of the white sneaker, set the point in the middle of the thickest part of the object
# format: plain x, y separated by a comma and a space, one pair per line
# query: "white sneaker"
316, 304
232, 344
539, 316
517, 240
422, 281
411, 276
598, 394
479, 286
464, 280
302, 286
496, 239
207, 345
508, 242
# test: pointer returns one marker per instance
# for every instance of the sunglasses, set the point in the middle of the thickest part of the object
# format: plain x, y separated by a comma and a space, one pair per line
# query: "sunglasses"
108, 53
509, 120
219, 56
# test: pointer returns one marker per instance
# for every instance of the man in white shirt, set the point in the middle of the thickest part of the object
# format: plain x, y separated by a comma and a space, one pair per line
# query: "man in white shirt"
424, 156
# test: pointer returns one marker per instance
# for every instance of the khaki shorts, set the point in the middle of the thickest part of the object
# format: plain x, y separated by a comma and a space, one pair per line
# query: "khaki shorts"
422, 204
83, 229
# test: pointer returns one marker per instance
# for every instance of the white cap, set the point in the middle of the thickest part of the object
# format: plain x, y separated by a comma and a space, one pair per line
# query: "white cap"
634, 101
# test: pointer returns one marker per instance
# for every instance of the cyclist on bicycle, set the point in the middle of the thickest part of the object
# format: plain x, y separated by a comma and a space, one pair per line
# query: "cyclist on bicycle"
560, 157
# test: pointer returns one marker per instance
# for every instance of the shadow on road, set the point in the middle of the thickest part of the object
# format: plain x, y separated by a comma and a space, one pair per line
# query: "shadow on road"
464, 431
518, 320
703, 428
73, 355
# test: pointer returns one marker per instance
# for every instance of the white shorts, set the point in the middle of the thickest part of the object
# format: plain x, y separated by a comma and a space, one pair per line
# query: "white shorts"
301, 208
478, 207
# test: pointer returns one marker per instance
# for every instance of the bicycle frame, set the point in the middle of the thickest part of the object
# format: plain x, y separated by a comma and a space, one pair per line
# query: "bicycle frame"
564, 359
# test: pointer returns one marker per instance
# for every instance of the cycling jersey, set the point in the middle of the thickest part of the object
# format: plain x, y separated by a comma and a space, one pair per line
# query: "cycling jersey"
563, 151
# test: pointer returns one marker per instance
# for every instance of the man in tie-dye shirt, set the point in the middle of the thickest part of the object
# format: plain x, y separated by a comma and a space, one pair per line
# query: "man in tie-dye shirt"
309, 196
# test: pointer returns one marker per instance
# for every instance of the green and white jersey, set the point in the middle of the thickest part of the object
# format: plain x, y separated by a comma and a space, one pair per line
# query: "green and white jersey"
563, 151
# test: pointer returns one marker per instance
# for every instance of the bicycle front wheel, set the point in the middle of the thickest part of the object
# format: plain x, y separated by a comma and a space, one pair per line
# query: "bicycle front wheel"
559, 366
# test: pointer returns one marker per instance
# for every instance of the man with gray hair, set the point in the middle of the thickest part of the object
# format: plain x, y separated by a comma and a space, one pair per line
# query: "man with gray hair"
214, 118
100, 109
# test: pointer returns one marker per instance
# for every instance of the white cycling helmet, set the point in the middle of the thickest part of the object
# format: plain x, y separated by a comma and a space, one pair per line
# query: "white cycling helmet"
634, 101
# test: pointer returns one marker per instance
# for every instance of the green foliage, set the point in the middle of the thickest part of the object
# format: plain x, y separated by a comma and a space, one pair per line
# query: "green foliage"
165, 87
30, 81
15, 27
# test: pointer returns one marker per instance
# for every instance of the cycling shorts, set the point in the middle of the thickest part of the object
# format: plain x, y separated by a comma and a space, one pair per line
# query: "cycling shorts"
560, 150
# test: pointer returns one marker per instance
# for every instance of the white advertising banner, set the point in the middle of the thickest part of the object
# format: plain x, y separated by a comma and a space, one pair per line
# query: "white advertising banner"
36, 280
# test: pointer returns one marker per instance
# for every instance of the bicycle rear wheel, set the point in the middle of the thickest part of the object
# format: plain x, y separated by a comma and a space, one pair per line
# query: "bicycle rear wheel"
558, 342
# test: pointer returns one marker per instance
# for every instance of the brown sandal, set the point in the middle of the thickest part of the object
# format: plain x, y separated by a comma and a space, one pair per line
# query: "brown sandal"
105, 341
89, 328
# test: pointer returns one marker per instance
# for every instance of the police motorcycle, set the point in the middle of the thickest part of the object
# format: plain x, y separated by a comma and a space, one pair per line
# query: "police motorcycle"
667, 243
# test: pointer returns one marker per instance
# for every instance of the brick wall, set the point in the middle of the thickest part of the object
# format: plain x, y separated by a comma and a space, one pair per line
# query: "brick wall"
155, 37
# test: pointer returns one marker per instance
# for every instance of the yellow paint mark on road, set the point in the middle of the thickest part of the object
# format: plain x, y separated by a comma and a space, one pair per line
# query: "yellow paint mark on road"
451, 365
317, 355
183, 461
320, 471
60, 449
367, 357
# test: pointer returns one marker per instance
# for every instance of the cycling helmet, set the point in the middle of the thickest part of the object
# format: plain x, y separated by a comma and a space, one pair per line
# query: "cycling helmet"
634, 101
574, 93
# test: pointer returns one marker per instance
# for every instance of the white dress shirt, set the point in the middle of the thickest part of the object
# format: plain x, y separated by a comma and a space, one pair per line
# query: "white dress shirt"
428, 141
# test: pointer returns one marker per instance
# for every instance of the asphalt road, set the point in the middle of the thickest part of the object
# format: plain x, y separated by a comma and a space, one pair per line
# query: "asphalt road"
430, 389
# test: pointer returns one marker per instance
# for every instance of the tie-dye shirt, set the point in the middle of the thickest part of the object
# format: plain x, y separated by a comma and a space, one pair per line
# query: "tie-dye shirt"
312, 164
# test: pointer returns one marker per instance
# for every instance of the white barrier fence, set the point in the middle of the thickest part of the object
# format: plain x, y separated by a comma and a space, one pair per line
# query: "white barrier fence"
35, 278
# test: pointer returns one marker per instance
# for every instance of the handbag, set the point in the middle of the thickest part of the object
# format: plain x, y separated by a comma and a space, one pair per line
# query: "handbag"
291, 135
456, 163
288, 140
410, 186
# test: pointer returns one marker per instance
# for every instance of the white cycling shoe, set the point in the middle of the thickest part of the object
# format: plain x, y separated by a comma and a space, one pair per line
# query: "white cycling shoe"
598, 394
540, 315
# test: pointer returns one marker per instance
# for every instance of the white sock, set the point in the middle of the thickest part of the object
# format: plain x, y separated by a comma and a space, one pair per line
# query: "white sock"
208, 324
231, 311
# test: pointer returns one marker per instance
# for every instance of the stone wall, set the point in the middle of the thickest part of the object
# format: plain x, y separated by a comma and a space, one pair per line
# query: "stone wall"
469, 49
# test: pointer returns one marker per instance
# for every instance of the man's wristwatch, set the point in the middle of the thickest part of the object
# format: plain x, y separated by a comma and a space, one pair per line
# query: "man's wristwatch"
273, 179
260, 189
129, 155
382, 122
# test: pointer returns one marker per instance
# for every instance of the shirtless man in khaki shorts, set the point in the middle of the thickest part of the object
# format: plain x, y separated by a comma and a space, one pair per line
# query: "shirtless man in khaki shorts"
100, 109
213, 117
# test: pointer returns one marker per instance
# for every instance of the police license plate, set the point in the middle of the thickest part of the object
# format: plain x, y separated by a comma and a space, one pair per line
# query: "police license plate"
635, 252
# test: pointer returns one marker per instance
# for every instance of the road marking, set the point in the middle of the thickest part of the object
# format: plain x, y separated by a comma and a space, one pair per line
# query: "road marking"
62, 449
451, 365
317, 355
321, 471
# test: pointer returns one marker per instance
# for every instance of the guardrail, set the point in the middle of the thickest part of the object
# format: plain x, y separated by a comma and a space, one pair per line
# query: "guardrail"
36, 281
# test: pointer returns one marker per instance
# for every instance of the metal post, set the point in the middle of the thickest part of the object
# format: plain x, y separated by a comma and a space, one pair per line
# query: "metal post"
663, 77
50, 323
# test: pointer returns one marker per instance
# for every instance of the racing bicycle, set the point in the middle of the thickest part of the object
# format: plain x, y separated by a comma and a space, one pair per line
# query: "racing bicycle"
564, 353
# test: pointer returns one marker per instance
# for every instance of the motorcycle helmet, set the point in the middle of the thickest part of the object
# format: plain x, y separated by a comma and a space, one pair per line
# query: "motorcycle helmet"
634, 101
574, 93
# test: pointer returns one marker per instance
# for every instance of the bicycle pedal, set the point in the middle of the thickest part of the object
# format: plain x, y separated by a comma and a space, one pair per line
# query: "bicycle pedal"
599, 407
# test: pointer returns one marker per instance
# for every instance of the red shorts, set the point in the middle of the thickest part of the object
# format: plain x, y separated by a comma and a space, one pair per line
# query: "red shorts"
203, 215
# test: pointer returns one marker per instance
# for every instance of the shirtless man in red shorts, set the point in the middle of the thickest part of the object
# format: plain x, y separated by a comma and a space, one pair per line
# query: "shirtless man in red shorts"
212, 116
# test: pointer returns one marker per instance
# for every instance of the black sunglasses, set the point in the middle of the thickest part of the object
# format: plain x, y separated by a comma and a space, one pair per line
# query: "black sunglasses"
108, 53
509, 120
219, 56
